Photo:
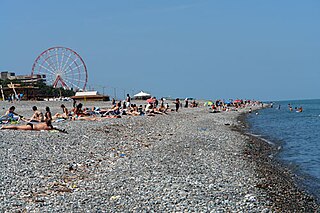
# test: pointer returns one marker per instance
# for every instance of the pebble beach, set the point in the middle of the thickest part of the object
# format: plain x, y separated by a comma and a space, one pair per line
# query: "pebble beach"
186, 161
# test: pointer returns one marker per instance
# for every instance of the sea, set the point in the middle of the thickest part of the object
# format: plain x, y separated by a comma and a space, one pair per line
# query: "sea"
296, 134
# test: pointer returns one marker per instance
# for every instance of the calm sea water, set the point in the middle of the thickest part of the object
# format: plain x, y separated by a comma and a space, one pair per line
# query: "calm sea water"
298, 134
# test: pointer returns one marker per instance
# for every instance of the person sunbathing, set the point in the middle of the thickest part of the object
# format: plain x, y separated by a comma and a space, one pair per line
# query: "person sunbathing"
37, 115
64, 115
94, 118
30, 126
87, 118
47, 125
35, 127
133, 111
77, 111
163, 109
159, 111
48, 117
113, 111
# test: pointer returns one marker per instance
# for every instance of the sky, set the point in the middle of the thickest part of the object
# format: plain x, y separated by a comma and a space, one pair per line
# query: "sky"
206, 49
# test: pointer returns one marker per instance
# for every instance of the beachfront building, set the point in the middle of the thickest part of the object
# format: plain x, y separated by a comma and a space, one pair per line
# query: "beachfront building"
90, 96
13, 85
28, 87
22, 79
7, 75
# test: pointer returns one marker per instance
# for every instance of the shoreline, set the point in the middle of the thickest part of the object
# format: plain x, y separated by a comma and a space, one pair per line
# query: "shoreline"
277, 179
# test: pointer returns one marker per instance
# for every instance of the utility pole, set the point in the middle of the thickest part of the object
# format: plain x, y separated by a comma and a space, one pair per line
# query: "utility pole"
14, 90
115, 93
2, 93
103, 89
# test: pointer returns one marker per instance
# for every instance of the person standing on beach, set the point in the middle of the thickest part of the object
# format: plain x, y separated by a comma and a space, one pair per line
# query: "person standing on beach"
161, 103
128, 100
155, 102
177, 103
74, 104
186, 103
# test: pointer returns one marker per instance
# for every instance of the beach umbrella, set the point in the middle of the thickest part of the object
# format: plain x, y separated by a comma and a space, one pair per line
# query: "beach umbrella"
208, 103
142, 95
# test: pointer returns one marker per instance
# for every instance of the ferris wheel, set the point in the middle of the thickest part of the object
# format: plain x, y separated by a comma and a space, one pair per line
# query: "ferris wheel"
62, 67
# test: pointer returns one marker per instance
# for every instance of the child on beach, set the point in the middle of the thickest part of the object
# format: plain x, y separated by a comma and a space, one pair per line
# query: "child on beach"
11, 115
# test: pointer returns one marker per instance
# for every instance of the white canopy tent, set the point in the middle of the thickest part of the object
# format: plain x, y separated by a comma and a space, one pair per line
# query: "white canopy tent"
142, 95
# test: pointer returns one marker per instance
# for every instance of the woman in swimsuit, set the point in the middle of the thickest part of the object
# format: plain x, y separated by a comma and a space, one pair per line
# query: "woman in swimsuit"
48, 118
37, 115
64, 115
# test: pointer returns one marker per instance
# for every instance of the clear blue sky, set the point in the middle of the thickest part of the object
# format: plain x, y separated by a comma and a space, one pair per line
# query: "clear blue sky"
267, 50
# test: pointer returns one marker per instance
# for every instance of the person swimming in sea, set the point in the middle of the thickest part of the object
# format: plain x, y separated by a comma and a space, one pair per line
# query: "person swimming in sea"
300, 109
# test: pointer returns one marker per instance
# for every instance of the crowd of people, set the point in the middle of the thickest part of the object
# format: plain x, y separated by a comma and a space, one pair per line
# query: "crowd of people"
231, 105
151, 107
40, 121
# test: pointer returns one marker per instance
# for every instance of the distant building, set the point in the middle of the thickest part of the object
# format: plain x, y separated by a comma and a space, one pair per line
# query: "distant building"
25, 79
31, 79
23, 84
7, 75
90, 96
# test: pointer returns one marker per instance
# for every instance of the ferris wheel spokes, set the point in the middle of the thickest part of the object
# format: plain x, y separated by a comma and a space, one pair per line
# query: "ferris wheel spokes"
52, 68
64, 66
61, 66
77, 67
46, 68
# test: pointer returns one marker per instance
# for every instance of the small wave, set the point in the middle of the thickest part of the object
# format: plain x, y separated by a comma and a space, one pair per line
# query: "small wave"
260, 137
255, 135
